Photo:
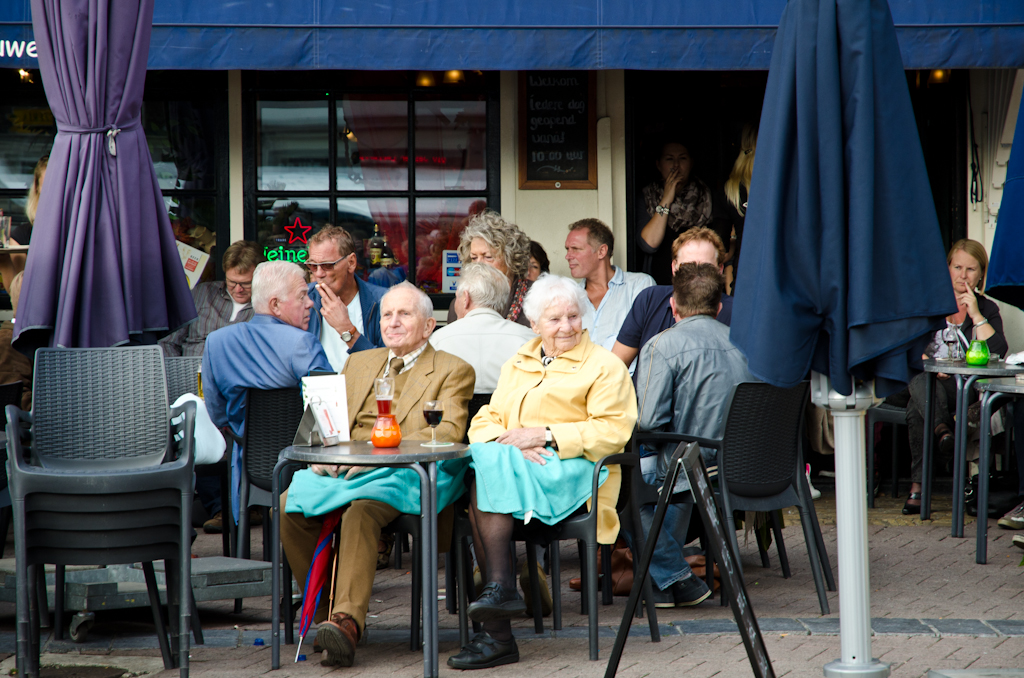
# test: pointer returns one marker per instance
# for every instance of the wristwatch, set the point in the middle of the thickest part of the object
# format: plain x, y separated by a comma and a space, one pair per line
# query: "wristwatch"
661, 210
549, 439
346, 336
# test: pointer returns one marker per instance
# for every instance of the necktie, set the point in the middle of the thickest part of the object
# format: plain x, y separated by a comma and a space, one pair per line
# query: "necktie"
395, 366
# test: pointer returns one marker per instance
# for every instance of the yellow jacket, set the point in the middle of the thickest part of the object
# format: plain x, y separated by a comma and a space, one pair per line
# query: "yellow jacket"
587, 399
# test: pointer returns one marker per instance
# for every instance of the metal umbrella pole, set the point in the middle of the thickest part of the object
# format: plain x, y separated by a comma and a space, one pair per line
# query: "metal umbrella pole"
852, 528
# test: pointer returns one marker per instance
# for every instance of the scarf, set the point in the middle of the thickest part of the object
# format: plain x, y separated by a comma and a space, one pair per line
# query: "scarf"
691, 208
518, 294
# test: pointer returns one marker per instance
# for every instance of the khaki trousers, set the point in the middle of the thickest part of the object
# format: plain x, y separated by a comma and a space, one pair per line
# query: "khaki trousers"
361, 525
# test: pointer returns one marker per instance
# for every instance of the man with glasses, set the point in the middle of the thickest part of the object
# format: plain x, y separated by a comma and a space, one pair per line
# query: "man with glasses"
218, 304
346, 310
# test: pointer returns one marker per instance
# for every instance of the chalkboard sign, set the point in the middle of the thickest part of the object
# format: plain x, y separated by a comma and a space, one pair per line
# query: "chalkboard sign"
557, 130
721, 548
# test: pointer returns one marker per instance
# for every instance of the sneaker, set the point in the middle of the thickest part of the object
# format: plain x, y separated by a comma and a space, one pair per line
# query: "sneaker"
661, 598
1018, 541
214, 525
1014, 518
815, 493
690, 591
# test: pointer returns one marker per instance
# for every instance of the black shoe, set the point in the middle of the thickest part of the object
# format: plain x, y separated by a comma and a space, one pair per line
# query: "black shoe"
690, 591
946, 444
483, 652
496, 603
662, 598
908, 508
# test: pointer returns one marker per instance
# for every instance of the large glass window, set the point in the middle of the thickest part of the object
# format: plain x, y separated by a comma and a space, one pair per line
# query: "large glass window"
341, 154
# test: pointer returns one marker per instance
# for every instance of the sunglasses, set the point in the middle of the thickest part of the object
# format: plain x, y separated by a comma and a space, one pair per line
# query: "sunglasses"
327, 266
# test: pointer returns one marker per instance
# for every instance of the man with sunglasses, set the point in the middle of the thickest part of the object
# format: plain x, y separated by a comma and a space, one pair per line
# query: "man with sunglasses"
346, 310
219, 304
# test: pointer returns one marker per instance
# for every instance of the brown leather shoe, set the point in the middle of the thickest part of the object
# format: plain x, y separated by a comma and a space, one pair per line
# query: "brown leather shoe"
338, 638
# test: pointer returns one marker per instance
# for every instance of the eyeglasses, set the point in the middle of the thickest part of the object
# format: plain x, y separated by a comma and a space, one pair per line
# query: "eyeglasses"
234, 284
327, 266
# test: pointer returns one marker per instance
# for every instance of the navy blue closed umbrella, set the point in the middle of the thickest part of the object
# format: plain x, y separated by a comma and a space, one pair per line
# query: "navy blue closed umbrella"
846, 271
1005, 279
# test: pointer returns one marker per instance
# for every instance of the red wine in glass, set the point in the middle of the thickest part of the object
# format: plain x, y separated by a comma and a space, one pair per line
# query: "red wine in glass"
433, 412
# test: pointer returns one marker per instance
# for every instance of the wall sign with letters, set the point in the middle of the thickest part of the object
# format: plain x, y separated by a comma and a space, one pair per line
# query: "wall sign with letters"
557, 130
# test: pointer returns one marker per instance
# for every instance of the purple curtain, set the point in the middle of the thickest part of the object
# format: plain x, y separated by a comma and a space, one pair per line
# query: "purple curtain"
103, 268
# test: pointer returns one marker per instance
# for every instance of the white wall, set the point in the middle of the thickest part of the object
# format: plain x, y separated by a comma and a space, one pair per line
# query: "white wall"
545, 215
993, 148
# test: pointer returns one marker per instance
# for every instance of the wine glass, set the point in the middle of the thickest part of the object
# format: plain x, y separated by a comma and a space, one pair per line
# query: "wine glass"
949, 338
433, 412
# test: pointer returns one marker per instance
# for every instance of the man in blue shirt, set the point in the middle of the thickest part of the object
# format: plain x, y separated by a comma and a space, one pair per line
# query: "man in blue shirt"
611, 291
273, 350
651, 312
346, 310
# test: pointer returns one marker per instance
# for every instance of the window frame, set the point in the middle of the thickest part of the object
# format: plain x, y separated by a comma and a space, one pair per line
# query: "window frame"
334, 91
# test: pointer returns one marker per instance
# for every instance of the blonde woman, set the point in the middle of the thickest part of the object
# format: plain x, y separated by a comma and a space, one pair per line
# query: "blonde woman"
13, 264
734, 207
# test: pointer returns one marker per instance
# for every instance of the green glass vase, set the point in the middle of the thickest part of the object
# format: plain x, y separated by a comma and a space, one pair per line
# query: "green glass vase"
977, 353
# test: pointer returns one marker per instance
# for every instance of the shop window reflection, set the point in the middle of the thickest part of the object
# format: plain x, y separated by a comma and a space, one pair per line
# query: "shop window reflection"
283, 225
451, 145
439, 224
292, 155
391, 217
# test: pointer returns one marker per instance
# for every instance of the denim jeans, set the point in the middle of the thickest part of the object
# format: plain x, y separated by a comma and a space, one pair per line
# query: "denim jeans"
667, 564
208, 489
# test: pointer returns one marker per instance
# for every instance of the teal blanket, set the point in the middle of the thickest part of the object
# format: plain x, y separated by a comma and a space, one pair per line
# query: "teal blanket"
313, 495
508, 483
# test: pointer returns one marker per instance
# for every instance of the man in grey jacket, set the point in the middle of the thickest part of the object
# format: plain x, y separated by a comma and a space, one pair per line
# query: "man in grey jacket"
685, 377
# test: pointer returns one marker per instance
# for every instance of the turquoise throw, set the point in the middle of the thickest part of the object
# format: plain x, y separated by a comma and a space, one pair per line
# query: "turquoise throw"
508, 483
313, 495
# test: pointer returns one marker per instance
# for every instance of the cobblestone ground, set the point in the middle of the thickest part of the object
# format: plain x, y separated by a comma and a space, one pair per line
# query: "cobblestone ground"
933, 608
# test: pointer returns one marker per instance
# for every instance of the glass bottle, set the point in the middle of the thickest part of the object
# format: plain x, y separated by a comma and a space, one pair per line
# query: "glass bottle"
386, 432
977, 353
387, 256
377, 244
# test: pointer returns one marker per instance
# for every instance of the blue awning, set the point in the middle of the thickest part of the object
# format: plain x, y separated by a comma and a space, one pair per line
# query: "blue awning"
524, 34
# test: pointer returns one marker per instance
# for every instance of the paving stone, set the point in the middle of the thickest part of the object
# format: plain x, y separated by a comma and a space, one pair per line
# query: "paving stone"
1008, 627
220, 638
710, 626
828, 626
960, 627
902, 627
135, 643
976, 673
780, 625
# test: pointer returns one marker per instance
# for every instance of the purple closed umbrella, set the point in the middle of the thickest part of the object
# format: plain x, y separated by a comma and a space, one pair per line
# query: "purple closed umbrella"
103, 268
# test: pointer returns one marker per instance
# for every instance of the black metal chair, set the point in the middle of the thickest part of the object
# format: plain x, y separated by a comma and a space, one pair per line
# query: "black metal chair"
182, 372
99, 476
760, 467
886, 414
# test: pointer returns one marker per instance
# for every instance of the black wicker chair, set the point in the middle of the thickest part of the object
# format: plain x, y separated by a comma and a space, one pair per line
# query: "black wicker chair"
99, 476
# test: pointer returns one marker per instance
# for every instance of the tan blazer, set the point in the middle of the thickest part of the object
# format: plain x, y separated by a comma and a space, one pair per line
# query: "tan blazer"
435, 376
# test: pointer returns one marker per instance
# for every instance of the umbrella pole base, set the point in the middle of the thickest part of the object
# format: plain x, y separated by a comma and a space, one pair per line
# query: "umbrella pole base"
872, 669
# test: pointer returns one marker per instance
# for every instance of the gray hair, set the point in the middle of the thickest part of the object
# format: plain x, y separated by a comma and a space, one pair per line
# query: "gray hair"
486, 285
270, 280
504, 237
549, 289
423, 303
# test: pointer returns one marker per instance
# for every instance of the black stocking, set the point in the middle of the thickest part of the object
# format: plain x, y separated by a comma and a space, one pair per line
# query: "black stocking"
492, 534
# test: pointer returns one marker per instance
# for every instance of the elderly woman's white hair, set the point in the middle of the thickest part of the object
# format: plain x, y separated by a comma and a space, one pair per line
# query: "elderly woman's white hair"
550, 289
423, 303
504, 237
486, 285
271, 280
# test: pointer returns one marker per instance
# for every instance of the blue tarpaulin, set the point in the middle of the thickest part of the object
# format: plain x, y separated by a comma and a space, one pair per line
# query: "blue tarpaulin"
525, 34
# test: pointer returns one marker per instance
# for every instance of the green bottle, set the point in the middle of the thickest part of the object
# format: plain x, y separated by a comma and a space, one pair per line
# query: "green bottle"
977, 352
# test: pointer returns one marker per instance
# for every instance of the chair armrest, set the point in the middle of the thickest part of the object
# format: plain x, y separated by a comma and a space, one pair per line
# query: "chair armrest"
230, 436
19, 433
622, 459
182, 433
665, 437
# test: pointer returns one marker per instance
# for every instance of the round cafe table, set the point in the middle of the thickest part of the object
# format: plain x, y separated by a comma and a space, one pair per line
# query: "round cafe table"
992, 391
410, 454
965, 376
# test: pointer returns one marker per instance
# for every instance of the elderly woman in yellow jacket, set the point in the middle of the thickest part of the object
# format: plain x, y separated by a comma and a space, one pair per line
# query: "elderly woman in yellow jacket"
562, 403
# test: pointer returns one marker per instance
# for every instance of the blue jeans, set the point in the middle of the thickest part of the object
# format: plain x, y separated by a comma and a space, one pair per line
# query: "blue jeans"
208, 489
667, 563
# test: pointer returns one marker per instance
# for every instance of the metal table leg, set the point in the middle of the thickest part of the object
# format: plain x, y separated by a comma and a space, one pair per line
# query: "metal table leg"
963, 393
275, 559
428, 546
928, 448
988, 401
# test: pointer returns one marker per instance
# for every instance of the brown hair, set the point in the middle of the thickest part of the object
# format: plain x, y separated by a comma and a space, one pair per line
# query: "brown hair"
697, 289
341, 238
974, 249
598, 233
243, 255
35, 188
699, 234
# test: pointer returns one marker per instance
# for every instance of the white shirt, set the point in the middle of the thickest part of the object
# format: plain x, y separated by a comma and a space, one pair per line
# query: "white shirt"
335, 348
485, 340
237, 308
409, 358
606, 320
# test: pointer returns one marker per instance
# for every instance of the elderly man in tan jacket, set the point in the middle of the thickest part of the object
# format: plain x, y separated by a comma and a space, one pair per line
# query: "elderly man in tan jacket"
420, 374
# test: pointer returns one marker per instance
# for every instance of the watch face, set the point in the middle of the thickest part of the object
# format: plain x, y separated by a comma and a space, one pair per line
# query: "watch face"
346, 336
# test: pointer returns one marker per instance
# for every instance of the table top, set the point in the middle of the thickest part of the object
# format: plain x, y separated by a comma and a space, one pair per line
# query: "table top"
14, 249
1004, 385
995, 368
362, 453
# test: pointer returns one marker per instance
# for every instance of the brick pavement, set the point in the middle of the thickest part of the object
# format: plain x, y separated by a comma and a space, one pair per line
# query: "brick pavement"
934, 609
